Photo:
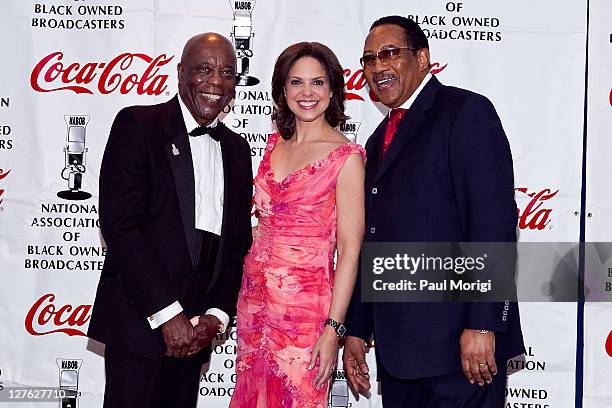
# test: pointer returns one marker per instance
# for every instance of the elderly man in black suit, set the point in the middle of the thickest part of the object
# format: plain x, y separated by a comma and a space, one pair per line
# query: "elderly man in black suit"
175, 191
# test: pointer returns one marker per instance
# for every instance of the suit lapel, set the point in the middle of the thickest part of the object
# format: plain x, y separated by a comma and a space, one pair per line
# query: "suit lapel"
408, 126
373, 147
178, 152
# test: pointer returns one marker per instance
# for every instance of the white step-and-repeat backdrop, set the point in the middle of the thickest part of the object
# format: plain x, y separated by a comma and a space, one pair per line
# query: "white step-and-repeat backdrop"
75, 63
598, 226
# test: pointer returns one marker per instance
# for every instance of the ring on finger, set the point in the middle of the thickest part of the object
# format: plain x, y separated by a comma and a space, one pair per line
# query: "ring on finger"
482, 365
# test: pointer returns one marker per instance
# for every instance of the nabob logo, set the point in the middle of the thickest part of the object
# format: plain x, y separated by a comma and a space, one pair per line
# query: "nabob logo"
69, 364
77, 121
242, 34
350, 130
242, 5
69, 381
74, 158
339, 392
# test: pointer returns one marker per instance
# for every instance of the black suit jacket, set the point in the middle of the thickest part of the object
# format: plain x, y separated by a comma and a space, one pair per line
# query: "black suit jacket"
447, 177
147, 217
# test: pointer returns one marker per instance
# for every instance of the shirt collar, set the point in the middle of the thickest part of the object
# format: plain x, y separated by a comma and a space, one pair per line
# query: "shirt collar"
190, 122
410, 101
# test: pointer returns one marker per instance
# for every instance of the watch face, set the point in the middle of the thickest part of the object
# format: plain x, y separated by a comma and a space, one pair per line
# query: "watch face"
341, 330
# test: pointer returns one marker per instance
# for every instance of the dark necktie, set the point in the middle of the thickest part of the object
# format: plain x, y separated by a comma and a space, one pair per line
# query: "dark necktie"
394, 118
212, 131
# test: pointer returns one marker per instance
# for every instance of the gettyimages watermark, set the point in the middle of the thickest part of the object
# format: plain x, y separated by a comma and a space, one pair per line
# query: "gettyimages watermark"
486, 272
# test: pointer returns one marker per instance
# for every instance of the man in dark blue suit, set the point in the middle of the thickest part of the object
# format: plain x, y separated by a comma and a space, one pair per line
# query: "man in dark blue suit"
439, 169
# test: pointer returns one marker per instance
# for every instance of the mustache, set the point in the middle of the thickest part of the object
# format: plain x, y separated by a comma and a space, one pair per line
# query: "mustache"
380, 77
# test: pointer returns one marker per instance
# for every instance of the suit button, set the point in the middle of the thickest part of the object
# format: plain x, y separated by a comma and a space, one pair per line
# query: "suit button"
374, 190
372, 230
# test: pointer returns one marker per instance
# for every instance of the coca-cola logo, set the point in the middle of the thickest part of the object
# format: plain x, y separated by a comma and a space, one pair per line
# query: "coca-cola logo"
609, 344
435, 68
45, 318
3, 174
356, 81
535, 215
52, 74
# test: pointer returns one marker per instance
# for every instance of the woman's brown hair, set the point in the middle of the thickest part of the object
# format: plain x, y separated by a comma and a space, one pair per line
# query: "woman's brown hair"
283, 117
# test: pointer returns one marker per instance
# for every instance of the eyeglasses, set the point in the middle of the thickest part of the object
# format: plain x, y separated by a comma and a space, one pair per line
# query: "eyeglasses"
369, 60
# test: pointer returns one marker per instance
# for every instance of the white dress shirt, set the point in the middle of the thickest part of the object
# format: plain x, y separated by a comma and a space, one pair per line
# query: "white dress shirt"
208, 176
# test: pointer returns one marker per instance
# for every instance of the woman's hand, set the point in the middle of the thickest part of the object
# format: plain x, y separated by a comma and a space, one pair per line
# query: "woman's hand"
326, 350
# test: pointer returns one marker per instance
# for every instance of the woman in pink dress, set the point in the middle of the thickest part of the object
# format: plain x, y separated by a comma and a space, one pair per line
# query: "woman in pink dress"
309, 198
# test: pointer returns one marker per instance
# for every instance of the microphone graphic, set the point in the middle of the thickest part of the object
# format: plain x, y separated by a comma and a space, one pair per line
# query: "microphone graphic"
339, 393
242, 31
74, 155
68, 382
350, 130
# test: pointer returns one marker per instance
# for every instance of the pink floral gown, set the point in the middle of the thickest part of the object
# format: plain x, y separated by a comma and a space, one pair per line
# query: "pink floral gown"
287, 283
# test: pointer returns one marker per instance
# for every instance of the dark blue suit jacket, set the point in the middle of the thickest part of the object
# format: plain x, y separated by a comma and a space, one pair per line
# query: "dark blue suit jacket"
447, 177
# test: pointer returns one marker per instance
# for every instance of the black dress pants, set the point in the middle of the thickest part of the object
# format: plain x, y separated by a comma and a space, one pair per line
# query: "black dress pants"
444, 391
137, 382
